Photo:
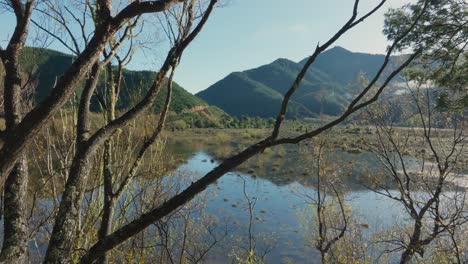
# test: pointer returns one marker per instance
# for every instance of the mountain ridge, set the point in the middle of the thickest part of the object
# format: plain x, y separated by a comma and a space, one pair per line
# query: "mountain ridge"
327, 87
47, 65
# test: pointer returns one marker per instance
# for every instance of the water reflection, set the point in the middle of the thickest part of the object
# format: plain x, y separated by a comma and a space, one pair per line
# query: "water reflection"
278, 202
278, 181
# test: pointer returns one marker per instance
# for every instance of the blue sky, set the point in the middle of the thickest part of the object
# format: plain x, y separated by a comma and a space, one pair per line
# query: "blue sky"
245, 34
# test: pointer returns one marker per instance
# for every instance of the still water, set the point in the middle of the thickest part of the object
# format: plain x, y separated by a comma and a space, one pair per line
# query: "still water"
276, 221
280, 198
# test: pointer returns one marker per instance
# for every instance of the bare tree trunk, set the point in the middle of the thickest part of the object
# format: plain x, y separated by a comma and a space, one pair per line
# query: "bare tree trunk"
66, 223
17, 137
61, 244
14, 247
323, 257
413, 246
16, 184
406, 256
109, 202
15, 236
109, 198
62, 239
125, 232
15, 143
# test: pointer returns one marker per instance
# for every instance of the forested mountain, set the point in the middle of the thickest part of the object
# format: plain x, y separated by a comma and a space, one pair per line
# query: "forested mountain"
326, 88
47, 65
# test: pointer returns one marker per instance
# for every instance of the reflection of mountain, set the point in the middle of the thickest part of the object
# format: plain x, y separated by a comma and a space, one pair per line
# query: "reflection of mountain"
292, 169
286, 165
326, 88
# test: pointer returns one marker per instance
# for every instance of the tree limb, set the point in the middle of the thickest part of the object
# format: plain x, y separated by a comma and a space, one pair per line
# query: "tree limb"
200, 185
137, 8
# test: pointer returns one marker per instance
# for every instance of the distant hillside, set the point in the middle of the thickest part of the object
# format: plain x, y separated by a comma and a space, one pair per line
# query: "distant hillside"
48, 65
239, 95
136, 83
326, 88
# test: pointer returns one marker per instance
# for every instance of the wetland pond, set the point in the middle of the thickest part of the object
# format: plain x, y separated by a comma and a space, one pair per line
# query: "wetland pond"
276, 220
267, 203
281, 192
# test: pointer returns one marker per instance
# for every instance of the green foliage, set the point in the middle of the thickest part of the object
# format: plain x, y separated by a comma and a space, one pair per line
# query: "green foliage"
442, 36
179, 125
213, 117
247, 122
208, 117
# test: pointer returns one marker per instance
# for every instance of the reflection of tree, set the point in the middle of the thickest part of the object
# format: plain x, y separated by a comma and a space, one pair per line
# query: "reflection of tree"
187, 235
256, 246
